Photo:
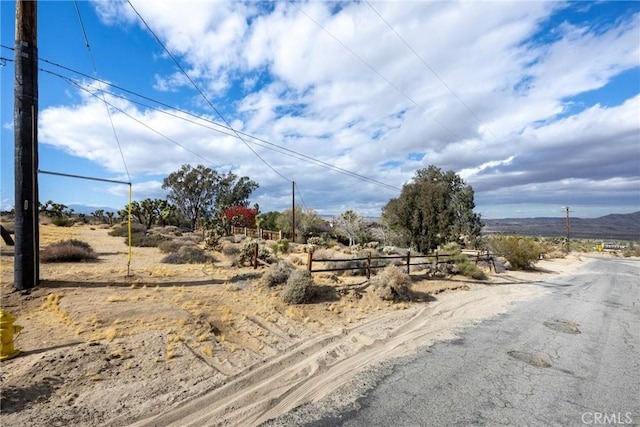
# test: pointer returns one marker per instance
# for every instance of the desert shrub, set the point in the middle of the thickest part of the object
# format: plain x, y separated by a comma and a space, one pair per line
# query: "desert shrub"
246, 253
392, 284
68, 251
122, 230
521, 252
469, 269
278, 273
145, 240
62, 221
284, 245
299, 288
315, 240
631, 251
170, 246
189, 254
229, 249
372, 245
389, 250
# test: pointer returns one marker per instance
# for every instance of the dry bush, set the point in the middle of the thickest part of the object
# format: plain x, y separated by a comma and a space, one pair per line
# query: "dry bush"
170, 246
229, 249
246, 254
278, 273
299, 288
188, 255
145, 240
68, 251
392, 284
122, 230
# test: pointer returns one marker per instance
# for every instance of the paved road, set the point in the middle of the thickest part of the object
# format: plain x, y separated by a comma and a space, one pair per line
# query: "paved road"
569, 358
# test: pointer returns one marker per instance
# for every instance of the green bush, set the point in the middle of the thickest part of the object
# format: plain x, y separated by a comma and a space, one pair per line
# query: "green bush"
246, 253
188, 255
470, 269
299, 288
68, 251
62, 221
278, 273
521, 252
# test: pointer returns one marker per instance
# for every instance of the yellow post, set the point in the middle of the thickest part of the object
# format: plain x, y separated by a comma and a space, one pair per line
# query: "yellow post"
7, 329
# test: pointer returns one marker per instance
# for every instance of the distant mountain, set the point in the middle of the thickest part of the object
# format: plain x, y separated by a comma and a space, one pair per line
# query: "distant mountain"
78, 209
609, 227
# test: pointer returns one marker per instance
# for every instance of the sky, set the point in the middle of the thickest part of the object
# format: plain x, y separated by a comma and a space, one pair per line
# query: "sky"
535, 104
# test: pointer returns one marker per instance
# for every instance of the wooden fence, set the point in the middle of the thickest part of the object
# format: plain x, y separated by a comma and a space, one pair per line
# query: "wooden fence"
257, 233
369, 264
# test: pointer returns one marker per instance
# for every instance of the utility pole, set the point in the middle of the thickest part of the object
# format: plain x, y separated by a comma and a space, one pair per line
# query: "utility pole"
25, 121
293, 212
568, 230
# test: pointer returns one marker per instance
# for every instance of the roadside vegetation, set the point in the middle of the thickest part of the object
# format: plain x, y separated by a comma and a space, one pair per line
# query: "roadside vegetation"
71, 250
195, 223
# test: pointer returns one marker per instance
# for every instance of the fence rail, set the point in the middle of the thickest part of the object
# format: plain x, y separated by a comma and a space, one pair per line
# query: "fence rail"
257, 233
368, 265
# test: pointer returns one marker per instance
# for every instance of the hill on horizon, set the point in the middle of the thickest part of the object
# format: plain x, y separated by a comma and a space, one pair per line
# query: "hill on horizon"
608, 227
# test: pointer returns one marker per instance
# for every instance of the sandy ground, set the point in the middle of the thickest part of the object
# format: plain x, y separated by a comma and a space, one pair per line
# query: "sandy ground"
210, 345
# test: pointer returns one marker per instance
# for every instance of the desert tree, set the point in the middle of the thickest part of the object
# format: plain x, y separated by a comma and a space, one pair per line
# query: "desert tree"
350, 225
308, 223
201, 193
269, 220
436, 207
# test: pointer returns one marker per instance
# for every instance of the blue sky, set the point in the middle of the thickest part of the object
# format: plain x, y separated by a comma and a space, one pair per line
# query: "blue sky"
535, 104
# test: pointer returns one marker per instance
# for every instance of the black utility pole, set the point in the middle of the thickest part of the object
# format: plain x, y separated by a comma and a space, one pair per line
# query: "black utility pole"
25, 121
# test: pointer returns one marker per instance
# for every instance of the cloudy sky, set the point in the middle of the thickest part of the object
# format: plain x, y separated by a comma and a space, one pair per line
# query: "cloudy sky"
535, 104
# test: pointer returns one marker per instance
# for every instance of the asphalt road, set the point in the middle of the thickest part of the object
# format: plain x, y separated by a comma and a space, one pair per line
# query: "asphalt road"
568, 358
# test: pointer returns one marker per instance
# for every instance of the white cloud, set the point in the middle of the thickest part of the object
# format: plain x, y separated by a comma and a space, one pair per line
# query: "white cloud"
353, 95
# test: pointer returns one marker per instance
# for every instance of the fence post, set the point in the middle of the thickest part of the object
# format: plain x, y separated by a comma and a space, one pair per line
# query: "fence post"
409, 262
368, 265
309, 261
255, 256
280, 235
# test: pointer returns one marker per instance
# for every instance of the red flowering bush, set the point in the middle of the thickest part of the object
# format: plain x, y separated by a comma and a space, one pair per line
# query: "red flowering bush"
241, 216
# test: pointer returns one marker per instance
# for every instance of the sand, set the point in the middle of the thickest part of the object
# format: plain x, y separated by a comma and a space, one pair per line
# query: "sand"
193, 345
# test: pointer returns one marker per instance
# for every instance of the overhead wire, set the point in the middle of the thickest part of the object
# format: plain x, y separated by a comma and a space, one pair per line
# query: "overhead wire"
115, 134
437, 76
267, 144
260, 141
375, 71
202, 94
95, 71
157, 132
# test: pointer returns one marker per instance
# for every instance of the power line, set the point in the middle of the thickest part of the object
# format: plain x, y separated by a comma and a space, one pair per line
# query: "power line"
140, 122
378, 73
268, 145
261, 142
431, 69
95, 71
193, 83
